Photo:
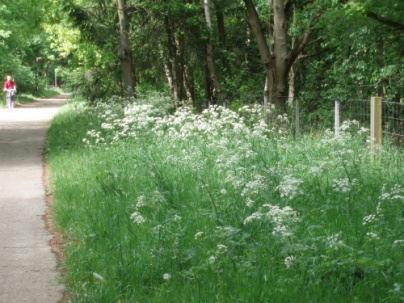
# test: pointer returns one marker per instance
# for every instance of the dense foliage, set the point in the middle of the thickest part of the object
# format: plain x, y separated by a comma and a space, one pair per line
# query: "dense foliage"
223, 206
349, 49
207, 52
25, 52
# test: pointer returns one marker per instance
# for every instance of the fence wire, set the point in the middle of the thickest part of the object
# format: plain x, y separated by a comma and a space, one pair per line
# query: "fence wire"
392, 116
393, 120
358, 110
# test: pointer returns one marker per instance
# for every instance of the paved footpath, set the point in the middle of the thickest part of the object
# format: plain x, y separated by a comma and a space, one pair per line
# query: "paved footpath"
27, 265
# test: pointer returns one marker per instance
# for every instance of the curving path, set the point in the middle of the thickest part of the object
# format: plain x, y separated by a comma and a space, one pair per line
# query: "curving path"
27, 265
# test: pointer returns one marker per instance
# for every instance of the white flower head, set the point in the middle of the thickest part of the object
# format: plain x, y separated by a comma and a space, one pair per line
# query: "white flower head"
372, 236
98, 277
289, 187
140, 201
343, 185
199, 235
137, 218
166, 276
398, 243
253, 217
289, 261
334, 241
221, 249
369, 219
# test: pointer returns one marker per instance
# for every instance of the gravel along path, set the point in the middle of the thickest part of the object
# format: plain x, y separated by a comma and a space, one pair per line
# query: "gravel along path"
28, 270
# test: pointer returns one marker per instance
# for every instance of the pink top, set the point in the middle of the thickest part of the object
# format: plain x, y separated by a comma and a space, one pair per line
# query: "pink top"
9, 84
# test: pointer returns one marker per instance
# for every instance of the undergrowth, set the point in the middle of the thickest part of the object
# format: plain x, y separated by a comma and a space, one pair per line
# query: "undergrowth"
223, 207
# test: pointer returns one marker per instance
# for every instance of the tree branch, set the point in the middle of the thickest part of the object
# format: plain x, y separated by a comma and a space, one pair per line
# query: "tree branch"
302, 41
255, 24
385, 21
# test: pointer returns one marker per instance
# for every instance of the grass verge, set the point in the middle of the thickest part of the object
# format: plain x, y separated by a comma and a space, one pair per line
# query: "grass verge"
203, 208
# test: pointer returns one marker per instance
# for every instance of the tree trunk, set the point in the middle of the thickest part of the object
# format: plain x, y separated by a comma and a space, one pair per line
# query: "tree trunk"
189, 85
277, 59
281, 54
217, 93
172, 59
125, 52
208, 84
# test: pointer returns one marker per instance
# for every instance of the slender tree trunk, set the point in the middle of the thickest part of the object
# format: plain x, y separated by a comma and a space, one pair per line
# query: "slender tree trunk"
189, 85
265, 54
172, 58
180, 66
208, 84
281, 53
125, 52
217, 93
292, 75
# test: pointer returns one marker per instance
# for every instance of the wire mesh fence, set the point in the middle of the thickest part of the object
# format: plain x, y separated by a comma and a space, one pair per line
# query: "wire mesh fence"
393, 120
358, 110
392, 117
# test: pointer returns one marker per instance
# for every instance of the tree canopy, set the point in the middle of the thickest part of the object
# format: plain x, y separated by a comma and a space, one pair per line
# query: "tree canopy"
210, 51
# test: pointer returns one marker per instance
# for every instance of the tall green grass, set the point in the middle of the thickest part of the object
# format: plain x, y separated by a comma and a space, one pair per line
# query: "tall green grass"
225, 217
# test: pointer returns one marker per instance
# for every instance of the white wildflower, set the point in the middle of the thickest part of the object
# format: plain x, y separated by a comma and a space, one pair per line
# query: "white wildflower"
199, 235
363, 130
177, 218
396, 193
399, 242
396, 288
289, 187
140, 201
212, 259
343, 185
253, 217
368, 219
223, 191
283, 219
254, 186
98, 277
334, 241
137, 218
221, 249
372, 236
250, 203
166, 276
289, 261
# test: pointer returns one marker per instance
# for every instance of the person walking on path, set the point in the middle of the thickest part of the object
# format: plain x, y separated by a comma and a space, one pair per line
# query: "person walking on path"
10, 89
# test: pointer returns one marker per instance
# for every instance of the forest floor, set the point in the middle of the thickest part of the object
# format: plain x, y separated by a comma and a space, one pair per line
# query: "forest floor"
28, 269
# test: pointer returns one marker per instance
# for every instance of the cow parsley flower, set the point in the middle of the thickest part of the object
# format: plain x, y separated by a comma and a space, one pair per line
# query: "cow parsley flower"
289, 261
289, 187
212, 259
137, 218
372, 236
166, 276
334, 241
199, 235
343, 185
369, 219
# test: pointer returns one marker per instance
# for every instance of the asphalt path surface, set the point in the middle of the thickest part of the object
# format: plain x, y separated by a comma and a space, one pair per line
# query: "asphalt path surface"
28, 268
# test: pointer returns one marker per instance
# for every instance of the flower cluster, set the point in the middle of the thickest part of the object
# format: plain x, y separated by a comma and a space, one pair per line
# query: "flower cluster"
282, 219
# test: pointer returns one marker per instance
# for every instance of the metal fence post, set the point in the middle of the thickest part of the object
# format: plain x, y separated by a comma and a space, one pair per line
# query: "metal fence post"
337, 118
375, 121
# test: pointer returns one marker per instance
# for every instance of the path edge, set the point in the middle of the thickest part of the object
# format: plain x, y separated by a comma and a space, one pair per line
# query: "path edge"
57, 241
